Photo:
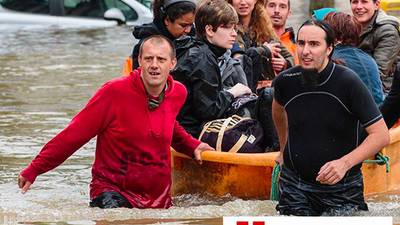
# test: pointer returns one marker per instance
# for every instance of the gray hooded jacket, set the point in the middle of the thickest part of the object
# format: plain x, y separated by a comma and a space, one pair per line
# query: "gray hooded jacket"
380, 39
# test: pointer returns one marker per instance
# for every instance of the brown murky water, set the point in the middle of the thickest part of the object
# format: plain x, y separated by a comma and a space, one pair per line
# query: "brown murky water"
46, 75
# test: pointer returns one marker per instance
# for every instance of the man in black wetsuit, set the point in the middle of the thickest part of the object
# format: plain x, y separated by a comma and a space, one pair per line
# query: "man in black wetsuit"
328, 124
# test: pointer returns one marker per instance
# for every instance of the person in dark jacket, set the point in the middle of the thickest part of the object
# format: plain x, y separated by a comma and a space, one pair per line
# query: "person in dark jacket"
213, 79
379, 37
199, 70
172, 19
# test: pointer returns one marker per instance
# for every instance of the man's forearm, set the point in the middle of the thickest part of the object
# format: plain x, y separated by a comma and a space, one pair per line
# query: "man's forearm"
182, 141
378, 137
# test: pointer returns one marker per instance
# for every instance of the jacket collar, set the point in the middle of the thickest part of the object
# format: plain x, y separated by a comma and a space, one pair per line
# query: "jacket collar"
383, 18
154, 28
380, 18
326, 73
288, 35
370, 25
218, 51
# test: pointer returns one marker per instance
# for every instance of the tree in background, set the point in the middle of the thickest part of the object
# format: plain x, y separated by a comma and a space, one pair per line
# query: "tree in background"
317, 4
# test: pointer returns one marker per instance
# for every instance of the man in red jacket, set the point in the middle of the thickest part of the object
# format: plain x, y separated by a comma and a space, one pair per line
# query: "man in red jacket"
134, 119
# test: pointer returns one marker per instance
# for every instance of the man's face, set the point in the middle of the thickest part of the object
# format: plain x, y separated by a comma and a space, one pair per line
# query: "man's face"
181, 26
223, 37
363, 10
312, 48
278, 11
156, 63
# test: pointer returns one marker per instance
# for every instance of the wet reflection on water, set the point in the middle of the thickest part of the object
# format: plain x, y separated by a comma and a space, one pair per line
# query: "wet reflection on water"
46, 76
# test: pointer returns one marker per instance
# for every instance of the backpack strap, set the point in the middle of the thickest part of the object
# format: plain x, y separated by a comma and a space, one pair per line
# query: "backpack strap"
238, 144
206, 126
221, 133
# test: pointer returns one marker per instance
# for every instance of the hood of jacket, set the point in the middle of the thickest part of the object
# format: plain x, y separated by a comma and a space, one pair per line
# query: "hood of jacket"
184, 43
381, 18
154, 28
145, 30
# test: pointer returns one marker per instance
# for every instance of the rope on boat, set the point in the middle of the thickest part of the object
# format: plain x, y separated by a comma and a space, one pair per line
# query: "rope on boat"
274, 194
380, 159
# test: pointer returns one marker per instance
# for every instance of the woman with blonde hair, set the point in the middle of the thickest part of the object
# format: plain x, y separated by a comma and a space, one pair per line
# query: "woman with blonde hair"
255, 31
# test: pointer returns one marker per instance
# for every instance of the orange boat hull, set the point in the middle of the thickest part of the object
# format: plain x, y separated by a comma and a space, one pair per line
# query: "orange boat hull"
248, 176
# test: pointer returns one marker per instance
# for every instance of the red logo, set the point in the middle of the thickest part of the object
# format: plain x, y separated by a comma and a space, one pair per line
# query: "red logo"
247, 223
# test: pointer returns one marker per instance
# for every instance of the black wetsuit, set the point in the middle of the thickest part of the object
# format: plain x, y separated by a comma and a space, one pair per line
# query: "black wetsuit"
325, 122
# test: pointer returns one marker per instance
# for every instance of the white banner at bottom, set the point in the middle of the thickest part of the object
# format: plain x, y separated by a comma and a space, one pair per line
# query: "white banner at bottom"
294, 220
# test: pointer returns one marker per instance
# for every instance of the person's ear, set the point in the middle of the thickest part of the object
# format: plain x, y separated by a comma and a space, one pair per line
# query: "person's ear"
209, 31
167, 21
139, 60
329, 50
173, 64
377, 4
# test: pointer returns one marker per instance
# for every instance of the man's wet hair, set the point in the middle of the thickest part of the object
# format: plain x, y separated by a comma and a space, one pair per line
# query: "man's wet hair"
329, 32
158, 40
172, 9
215, 13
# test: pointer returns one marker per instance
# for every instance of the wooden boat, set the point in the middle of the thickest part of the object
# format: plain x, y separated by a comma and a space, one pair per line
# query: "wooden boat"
248, 176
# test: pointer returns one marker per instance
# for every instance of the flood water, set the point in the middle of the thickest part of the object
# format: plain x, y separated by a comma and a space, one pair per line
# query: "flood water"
46, 75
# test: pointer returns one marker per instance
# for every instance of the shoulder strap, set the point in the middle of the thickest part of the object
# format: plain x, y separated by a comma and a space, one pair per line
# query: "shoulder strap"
221, 133
206, 126
238, 144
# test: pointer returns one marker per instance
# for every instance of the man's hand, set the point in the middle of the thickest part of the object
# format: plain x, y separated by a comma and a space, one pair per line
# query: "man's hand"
201, 148
273, 47
278, 63
239, 90
24, 184
333, 171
